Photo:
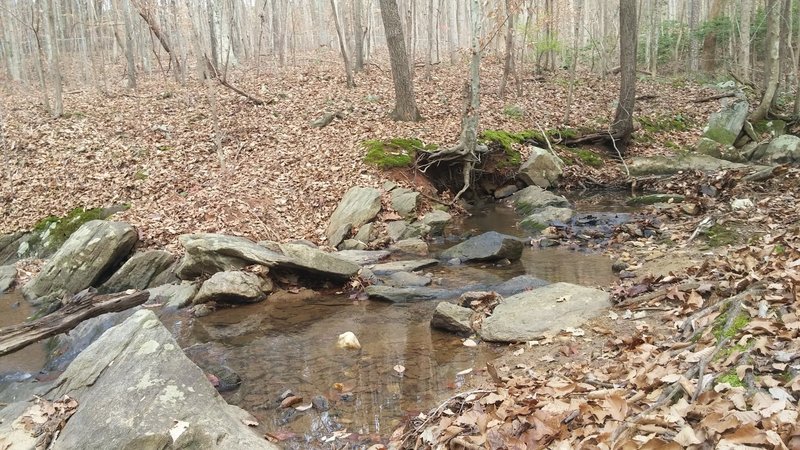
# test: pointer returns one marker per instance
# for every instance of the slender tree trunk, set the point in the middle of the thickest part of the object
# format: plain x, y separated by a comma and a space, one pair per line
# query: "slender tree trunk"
156, 30
508, 65
772, 51
130, 69
348, 70
405, 105
278, 47
710, 40
431, 34
359, 34
622, 126
694, 45
655, 35
574, 65
53, 60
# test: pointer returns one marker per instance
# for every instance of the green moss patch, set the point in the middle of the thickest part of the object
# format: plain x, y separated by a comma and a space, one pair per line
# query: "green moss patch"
731, 378
719, 235
737, 325
52, 231
397, 152
588, 157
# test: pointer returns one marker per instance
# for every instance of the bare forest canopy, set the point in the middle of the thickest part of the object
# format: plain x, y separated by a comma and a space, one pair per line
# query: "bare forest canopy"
64, 44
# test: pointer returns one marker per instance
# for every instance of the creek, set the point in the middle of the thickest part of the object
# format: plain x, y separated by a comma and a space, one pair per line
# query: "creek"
288, 343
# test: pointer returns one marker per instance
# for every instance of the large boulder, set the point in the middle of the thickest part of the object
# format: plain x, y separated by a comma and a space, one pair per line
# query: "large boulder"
138, 272
663, 165
137, 390
781, 150
489, 246
533, 198
88, 255
208, 253
549, 309
405, 201
725, 125
8, 274
541, 169
358, 206
232, 287
451, 317
318, 262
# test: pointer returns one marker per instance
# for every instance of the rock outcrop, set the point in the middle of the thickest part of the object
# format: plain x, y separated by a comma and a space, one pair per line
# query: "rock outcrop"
534, 198
207, 254
489, 246
138, 272
358, 206
88, 255
781, 150
326, 265
725, 125
549, 309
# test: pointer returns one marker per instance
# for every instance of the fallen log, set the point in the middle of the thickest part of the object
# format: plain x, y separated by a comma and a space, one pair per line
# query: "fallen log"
84, 305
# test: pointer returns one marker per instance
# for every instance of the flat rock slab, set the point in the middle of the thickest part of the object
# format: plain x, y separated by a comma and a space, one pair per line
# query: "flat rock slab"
82, 260
318, 262
546, 310
208, 253
519, 284
402, 266
133, 383
489, 246
408, 294
362, 257
359, 205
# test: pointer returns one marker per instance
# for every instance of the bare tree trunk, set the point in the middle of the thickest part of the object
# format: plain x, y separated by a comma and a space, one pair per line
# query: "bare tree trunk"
144, 13
574, 65
508, 65
772, 50
53, 61
405, 105
431, 34
622, 126
655, 34
130, 69
710, 41
348, 70
694, 45
359, 34
277, 35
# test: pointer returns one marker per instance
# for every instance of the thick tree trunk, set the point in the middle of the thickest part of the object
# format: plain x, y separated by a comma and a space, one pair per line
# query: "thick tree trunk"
508, 65
622, 126
405, 105
359, 34
710, 41
772, 50
54, 61
694, 45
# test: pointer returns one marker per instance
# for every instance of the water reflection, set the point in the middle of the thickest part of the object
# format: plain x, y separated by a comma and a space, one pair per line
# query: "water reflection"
15, 310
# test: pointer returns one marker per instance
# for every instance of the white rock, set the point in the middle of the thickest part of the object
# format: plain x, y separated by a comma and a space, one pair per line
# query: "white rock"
741, 203
348, 341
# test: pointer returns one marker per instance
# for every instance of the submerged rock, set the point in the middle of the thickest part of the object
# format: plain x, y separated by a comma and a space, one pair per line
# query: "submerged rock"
400, 279
137, 371
87, 255
533, 198
207, 254
138, 272
359, 205
348, 341
451, 317
408, 294
549, 309
489, 246
231, 287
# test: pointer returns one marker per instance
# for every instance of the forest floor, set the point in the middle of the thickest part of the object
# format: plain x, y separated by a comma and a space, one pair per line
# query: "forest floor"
702, 345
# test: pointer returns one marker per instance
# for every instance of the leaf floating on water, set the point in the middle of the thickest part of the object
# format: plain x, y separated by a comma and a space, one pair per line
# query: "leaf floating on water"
399, 369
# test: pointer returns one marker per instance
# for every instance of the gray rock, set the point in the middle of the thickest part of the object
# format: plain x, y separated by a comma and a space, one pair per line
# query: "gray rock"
402, 266
405, 201
8, 274
207, 254
436, 220
725, 125
319, 262
541, 169
451, 317
362, 257
365, 233
358, 206
706, 146
533, 198
549, 309
231, 287
489, 246
415, 230
138, 271
406, 279
87, 255
137, 370
395, 229
663, 165
542, 218
781, 150
408, 294
352, 244
173, 295
9, 246
413, 246
505, 191
518, 284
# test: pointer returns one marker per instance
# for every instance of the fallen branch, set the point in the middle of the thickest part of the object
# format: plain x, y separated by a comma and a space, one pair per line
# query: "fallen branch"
84, 305
224, 82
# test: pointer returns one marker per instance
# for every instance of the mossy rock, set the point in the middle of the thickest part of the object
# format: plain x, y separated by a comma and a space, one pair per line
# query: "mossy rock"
49, 233
396, 152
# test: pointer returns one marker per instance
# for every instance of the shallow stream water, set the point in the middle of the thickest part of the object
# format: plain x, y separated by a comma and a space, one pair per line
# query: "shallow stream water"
288, 342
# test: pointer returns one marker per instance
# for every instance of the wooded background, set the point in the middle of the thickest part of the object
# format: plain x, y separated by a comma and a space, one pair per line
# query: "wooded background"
62, 44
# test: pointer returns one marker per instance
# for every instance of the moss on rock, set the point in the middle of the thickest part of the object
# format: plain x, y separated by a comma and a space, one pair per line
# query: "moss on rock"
396, 152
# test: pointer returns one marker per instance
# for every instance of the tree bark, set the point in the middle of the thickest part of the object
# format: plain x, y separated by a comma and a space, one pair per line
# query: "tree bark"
710, 41
772, 44
54, 61
622, 126
694, 45
746, 9
82, 306
359, 34
508, 65
574, 65
405, 108
348, 70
